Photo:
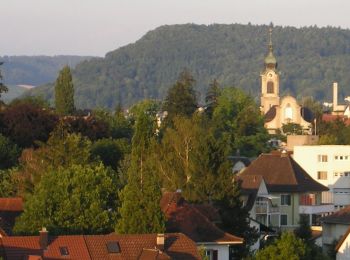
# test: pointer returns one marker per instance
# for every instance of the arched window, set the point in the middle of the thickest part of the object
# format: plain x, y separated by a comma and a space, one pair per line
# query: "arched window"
288, 112
270, 87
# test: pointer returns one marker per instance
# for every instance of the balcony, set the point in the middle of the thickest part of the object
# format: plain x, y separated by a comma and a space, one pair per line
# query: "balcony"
265, 207
316, 209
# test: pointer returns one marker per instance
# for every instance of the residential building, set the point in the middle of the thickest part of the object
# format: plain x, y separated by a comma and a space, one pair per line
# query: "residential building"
343, 247
334, 227
330, 166
112, 246
198, 223
279, 111
277, 191
10, 208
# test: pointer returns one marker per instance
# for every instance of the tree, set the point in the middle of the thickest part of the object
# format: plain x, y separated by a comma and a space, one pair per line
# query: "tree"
9, 153
288, 246
64, 93
181, 98
212, 96
79, 199
26, 123
292, 129
140, 199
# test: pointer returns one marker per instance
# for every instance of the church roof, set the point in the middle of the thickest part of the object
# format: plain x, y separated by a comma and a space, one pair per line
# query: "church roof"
270, 114
307, 114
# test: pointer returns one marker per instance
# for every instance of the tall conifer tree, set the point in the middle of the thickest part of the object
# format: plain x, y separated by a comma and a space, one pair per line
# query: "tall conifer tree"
64, 92
140, 211
3, 88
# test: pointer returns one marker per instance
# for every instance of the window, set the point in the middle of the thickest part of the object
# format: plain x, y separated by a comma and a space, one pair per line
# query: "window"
113, 247
288, 112
322, 175
64, 250
322, 158
335, 174
270, 87
212, 254
285, 199
284, 220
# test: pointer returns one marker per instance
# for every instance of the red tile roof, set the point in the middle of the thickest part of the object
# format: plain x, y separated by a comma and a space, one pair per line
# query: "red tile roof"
11, 204
339, 217
332, 118
177, 246
282, 174
186, 218
342, 239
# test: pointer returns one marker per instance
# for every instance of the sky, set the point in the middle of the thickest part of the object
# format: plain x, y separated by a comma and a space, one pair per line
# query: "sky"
95, 27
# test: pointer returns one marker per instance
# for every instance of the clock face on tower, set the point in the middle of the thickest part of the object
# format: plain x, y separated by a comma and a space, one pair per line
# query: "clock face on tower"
269, 75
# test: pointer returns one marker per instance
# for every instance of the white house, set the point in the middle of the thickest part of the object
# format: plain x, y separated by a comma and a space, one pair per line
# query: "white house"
330, 166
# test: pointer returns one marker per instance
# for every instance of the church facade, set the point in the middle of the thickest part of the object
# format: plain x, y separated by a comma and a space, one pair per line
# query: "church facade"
278, 111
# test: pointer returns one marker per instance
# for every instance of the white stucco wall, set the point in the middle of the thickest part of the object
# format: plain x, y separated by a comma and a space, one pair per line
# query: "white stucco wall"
223, 250
307, 157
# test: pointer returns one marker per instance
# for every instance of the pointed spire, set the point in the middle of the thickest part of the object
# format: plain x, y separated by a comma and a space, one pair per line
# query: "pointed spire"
270, 42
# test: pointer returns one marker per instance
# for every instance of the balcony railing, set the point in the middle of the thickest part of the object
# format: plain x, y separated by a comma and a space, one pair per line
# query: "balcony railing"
264, 207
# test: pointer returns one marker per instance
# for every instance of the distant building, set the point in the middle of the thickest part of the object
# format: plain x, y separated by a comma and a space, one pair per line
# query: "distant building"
334, 227
279, 111
330, 166
277, 191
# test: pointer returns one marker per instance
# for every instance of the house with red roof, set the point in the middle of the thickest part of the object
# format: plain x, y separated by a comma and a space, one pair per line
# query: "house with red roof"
10, 208
111, 246
198, 223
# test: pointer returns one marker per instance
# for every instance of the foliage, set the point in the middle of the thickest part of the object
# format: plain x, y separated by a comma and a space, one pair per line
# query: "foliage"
9, 153
310, 58
8, 183
292, 129
19, 118
288, 246
202, 253
140, 199
3, 88
90, 127
235, 219
37, 101
79, 199
335, 132
64, 93
212, 96
238, 123
111, 152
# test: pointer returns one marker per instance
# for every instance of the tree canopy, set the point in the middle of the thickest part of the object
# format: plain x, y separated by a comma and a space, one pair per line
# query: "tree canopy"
64, 93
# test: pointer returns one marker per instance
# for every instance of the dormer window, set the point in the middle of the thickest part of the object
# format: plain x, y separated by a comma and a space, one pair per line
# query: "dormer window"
113, 247
64, 251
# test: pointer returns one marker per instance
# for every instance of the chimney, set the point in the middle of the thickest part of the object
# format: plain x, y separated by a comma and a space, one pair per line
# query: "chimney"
284, 153
43, 238
160, 241
335, 96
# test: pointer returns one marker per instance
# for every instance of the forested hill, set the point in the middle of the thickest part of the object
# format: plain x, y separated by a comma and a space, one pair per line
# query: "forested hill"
35, 70
309, 59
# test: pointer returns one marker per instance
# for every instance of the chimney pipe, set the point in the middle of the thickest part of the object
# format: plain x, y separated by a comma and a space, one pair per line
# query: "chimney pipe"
43, 238
335, 96
160, 241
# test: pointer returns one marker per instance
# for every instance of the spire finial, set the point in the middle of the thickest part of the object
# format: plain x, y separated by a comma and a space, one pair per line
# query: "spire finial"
270, 42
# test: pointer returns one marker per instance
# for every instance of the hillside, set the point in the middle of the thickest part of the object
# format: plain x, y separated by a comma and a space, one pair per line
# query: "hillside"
309, 58
35, 70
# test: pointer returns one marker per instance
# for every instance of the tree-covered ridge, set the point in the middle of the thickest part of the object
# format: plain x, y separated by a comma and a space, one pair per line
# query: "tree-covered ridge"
309, 59
36, 70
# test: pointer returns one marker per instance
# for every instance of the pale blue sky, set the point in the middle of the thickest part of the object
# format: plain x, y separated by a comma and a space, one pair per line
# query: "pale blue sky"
94, 27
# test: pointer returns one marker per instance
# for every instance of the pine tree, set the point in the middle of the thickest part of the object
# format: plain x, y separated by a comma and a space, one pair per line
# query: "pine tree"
64, 92
181, 98
140, 210
212, 96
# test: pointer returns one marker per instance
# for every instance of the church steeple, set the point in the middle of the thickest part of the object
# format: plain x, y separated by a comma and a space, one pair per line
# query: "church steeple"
270, 60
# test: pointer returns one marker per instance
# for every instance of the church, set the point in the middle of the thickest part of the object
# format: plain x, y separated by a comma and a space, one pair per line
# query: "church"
278, 111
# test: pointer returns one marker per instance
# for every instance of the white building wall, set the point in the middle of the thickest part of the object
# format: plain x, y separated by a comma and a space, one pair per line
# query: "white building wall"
333, 159
223, 250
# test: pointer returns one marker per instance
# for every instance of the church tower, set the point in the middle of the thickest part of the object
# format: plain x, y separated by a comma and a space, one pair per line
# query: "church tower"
269, 80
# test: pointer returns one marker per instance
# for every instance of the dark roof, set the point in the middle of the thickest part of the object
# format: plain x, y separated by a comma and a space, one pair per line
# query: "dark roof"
282, 174
185, 218
11, 204
270, 114
177, 246
339, 217
307, 114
